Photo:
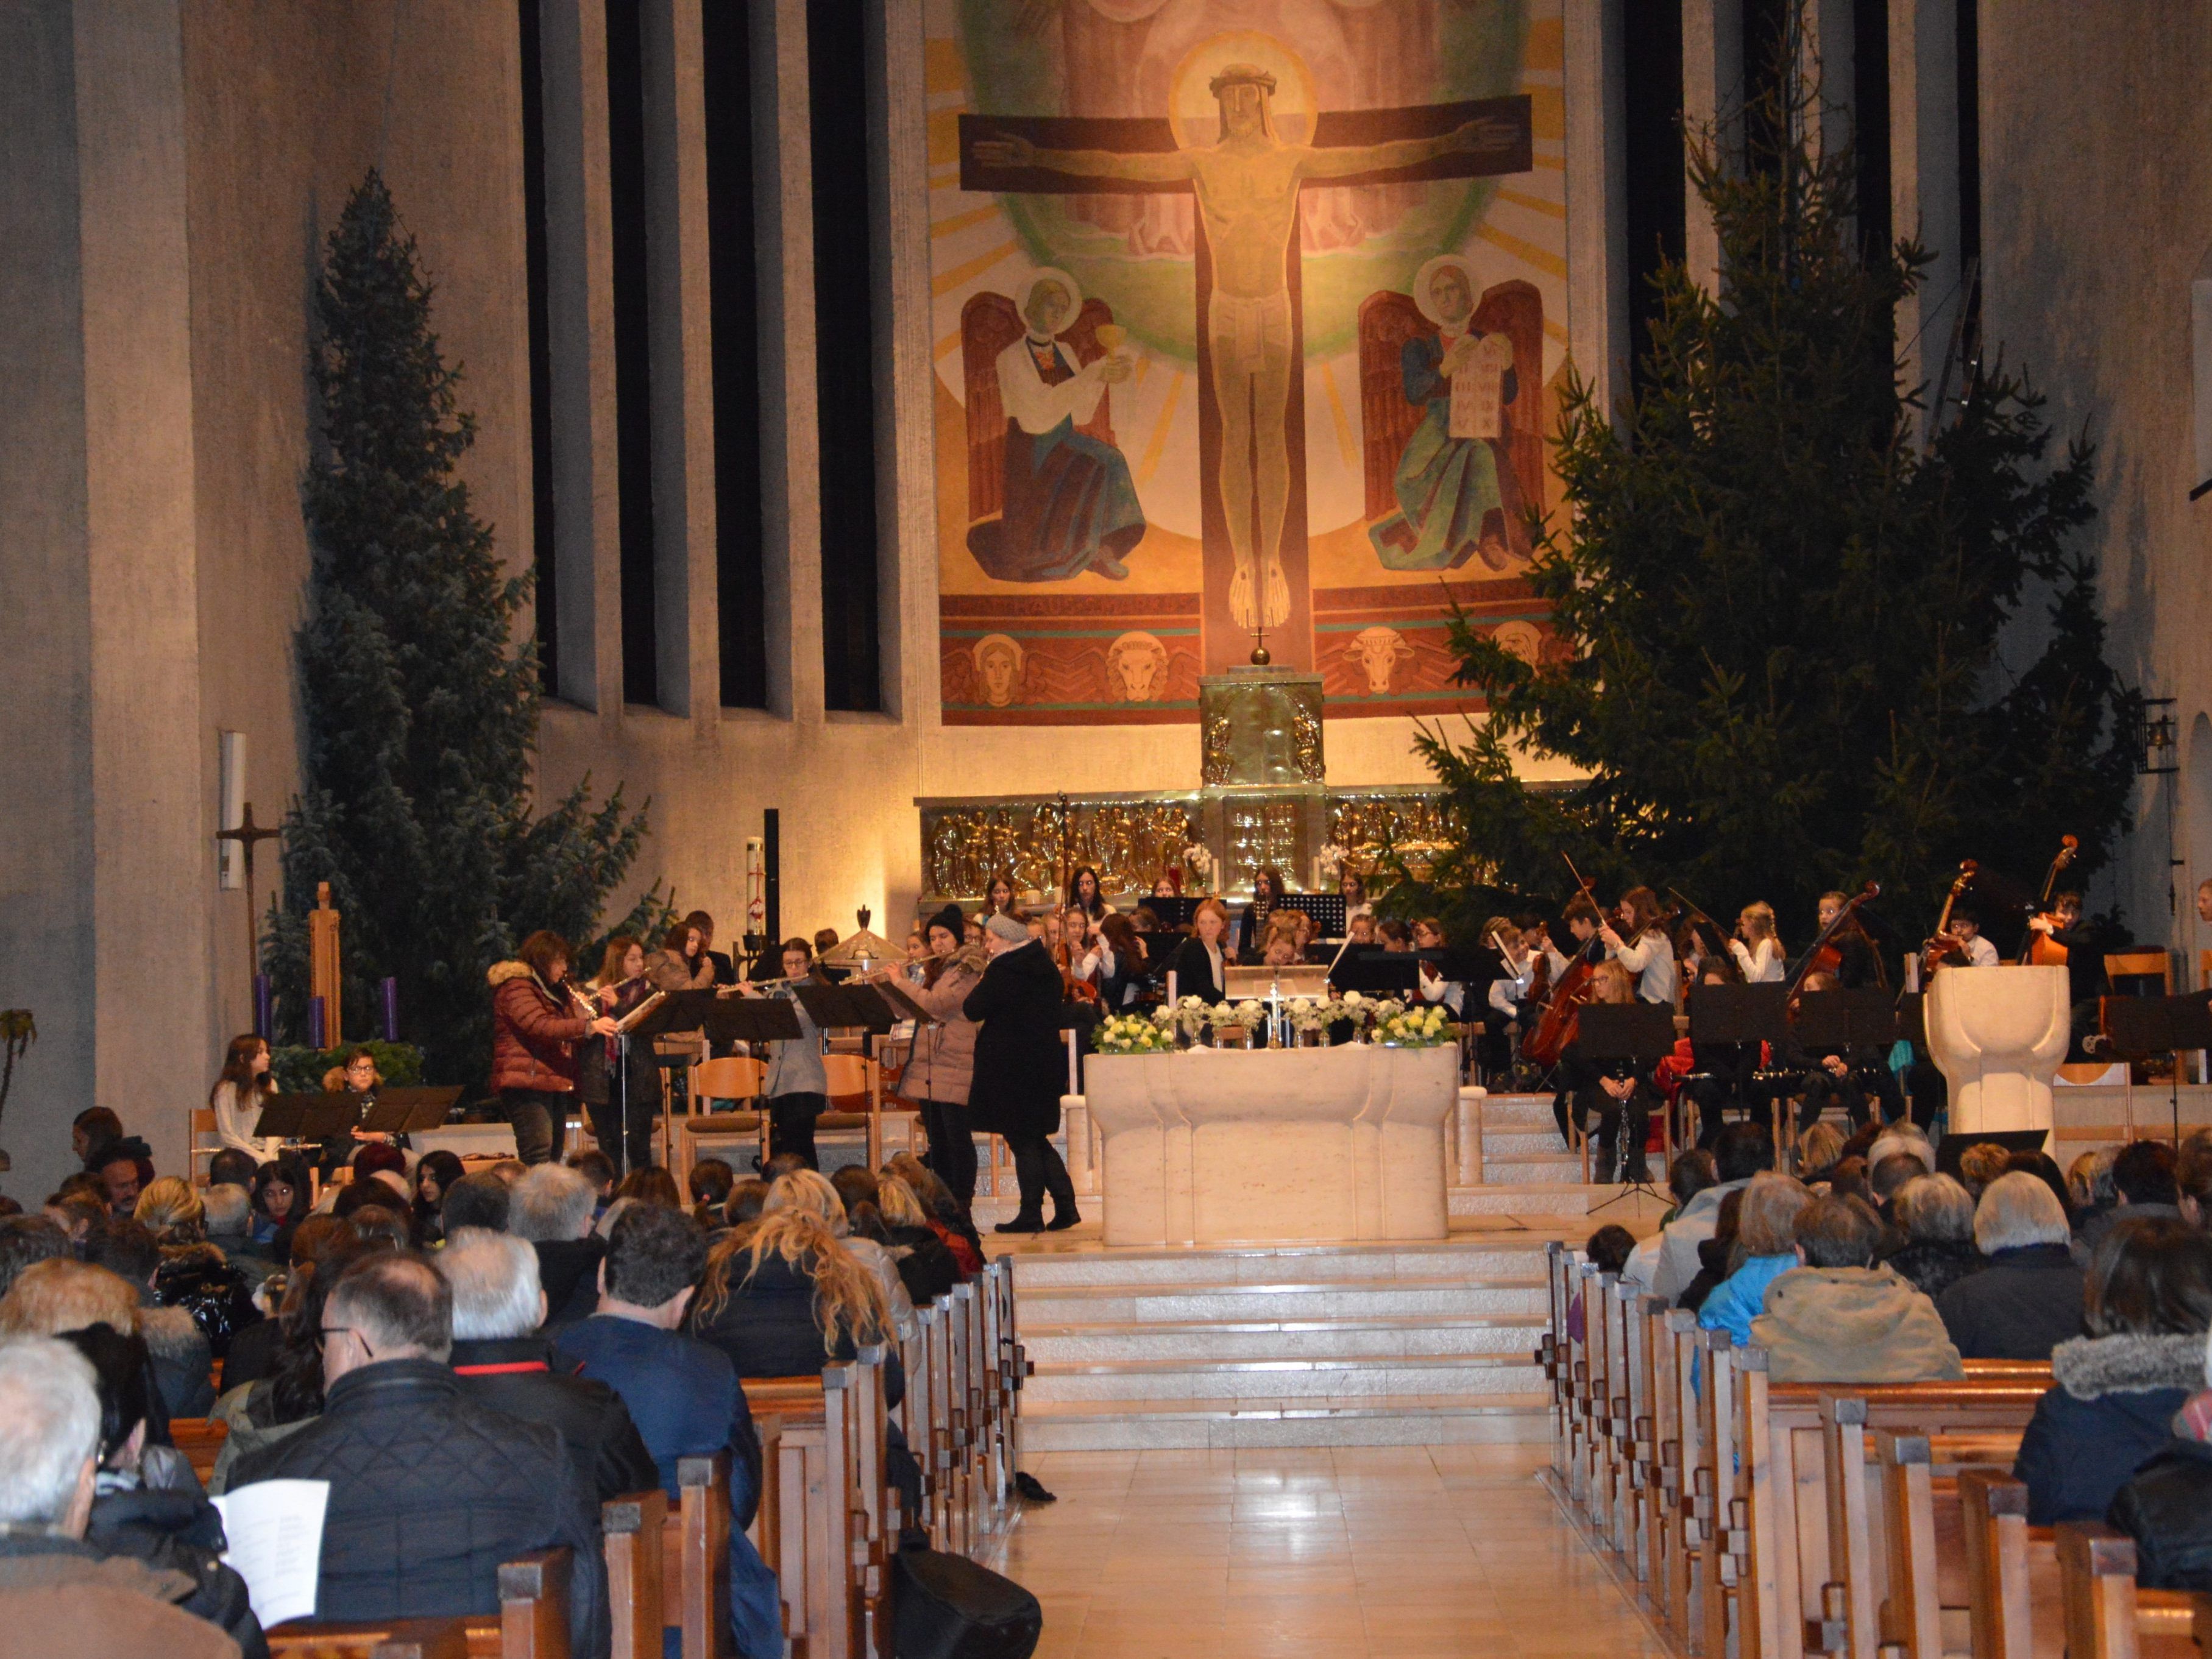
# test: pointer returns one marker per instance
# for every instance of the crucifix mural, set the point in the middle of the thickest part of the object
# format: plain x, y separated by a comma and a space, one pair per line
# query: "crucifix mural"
1247, 182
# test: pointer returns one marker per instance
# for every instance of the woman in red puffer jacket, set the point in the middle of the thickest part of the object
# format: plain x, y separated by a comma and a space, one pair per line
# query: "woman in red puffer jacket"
536, 1025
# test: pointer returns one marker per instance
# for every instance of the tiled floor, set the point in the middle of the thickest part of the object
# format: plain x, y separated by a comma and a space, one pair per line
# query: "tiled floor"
1397, 1552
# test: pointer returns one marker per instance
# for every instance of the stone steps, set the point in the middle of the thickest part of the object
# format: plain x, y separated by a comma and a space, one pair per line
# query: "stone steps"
1283, 1345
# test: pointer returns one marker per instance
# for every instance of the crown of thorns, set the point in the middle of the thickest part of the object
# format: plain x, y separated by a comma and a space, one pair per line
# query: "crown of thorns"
1242, 74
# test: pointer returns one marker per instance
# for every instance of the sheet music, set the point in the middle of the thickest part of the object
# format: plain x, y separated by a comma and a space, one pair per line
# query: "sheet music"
276, 1533
1478, 407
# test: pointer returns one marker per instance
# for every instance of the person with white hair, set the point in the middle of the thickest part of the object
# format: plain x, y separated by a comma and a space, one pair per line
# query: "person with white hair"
58, 1593
2028, 1298
552, 1207
506, 1362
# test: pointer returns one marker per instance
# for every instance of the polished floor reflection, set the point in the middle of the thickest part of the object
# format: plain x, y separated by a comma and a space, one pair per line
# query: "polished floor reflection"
1404, 1551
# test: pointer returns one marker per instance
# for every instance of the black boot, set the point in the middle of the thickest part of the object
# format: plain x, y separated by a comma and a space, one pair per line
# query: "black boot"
1023, 1222
1064, 1216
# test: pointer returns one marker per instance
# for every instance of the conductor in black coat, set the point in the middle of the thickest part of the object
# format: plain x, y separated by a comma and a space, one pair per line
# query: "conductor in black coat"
1020, 1071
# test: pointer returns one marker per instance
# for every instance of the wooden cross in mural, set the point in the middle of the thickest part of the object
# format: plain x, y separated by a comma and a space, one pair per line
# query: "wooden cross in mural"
1251, 333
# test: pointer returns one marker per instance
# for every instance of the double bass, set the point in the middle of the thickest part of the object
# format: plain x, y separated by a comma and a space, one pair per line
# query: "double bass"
1943, 944
2041, 951
1561, 1023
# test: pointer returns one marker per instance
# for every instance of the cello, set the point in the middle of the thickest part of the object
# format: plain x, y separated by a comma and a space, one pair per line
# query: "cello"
1562, 1020
2041, 951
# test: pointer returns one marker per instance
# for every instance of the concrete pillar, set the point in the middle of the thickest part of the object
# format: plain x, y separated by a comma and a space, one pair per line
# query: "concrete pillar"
109, 863
1825, 55
791, 456
1597, 221
682, 337
1713, 105
906, 471
580, 306
1924, 180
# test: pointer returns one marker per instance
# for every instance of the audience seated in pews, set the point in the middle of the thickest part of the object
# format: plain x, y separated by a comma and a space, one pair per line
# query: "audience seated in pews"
1766, 1247
710, 1180
25, 1239
183, 1359
505, 1361
596, 1167
230, 1228
1690, 1173
1607, 1251
59, 1594
948, 1217
926, 1264
747, 1202
2166, 1506
552, 1208
2192, 1179
650, 1185
1980, 1164
2144, 1180
254, 1352
148, 1503
2091, 1197
2147, 1305
91, 1132
435, 1172
1715, 1254
1838, 1318
280, 1204
792, 1296
805, 1189
194, 1273
60, 1295
430, 1491
683, 1395
287, 1395
2028, 1299
480, 1198
1937, 1218
1740, 1152
76, 1206
126, 1169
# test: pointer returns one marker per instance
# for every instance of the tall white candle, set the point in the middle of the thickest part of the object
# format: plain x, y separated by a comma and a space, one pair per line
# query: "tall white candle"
1070, 1063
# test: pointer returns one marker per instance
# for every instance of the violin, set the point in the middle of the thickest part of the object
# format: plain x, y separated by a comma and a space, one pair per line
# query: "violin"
1824, 957
1712, 938
1562, 1020
1943, 945
2042, 951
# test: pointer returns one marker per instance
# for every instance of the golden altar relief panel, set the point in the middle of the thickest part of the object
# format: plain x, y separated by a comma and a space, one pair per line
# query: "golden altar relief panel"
1128, 842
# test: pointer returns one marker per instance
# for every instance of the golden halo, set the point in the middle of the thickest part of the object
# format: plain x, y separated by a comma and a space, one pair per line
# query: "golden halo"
1194, 112
1427, 272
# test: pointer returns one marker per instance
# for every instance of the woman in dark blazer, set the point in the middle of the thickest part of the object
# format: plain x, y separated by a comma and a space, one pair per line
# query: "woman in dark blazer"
1268, 891
1020, 1070
1199, 960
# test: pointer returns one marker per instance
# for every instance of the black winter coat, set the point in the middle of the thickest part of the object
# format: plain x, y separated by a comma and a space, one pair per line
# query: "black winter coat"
198, 1279
568, 1273
767, 1324
1021, 1068
2167, 1509
2022, 1306
430, 1491
2110, 1408
168, 1522
1932, 1266
521, 1376
928, 1269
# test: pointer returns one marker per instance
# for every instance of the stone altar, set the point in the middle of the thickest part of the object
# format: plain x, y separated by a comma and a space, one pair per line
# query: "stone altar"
1215, 1145
1998, 1035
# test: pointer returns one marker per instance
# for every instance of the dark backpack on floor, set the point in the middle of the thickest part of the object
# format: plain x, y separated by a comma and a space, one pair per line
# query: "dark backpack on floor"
945, 1606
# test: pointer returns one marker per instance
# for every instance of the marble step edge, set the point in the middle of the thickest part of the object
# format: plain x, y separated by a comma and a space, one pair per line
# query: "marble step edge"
1266, 1286
1475, 1243
1035, 1330
1320, 1407
1508, 1360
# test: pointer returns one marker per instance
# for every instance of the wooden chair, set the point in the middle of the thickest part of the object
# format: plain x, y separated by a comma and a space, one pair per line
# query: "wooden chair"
2141, 968
703, 1133
206, 1142
855, 1085
533, 1622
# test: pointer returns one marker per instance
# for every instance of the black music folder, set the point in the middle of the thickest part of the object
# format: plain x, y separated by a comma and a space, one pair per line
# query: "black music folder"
410, 1111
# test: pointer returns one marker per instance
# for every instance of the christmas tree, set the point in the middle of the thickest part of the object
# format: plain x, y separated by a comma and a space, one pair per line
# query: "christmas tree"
1794, 640
418, 707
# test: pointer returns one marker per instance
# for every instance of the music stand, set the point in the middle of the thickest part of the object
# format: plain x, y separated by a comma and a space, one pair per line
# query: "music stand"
1953, 1149
672, 1011
1174, 914
307, 1117
1327, 910
843, 1007
410, 1111
1377, 972
2136, 1028
751, 1020
1641, 1031
1737, 1016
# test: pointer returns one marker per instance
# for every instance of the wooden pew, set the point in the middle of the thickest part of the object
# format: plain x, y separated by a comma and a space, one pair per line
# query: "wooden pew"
631, 1526
2107, 1617
533, 1622
200, 1439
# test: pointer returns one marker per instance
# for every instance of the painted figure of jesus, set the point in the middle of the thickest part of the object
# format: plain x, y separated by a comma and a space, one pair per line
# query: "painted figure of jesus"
1247, 185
